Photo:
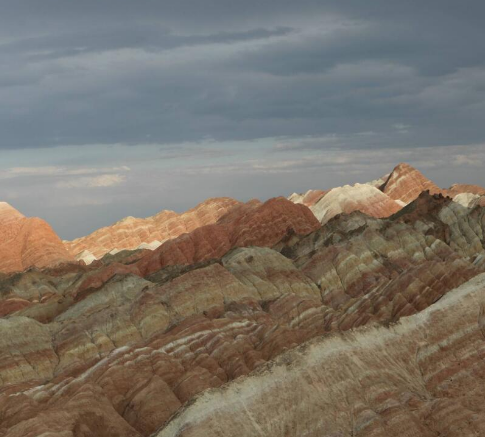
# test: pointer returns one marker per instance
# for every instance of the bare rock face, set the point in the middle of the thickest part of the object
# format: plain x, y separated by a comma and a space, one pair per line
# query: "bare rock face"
359, 197
309, 198
133, 233
466, 199
261, 322
257, 224
385, 196
421, 377
131, 349
467, 195
400, 187
405, 183
465, 188
27, 242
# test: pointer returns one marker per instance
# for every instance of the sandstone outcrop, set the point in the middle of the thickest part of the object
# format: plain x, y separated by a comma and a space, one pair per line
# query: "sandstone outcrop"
309, 198
421, 377
248, 224
379, 198
359, 197
353, 311
405, 183
465, 188
27, 242
384, 196
133, 233
117, 348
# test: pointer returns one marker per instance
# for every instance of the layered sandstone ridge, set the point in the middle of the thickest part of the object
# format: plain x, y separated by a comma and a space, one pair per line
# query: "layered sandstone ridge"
191, 337
248, 224
380, 198
360, 197
116, 349
309, 198
27, 242
405, 183
150, 232
421, 377
385, 196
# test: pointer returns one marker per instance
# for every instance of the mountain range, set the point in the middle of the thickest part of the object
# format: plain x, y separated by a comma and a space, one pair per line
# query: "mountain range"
351, 311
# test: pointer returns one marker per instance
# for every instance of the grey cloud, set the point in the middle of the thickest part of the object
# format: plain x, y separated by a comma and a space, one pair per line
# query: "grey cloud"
145, 37
125, 72
348, 88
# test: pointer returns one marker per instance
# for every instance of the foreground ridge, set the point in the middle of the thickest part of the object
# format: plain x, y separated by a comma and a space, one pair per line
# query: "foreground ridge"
117, 347
420, 377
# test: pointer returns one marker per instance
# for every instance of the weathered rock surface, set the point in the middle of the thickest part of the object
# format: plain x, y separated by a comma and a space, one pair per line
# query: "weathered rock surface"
101, 350
385, 196
400, 187
255, 319
465, 188
257, 224
359, 197
466, 199
405, 183
421, 377
133, 233
309, 198
27, 242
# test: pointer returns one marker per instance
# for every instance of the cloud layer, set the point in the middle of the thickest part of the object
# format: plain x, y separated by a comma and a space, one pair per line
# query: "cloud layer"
130, 72
173, 89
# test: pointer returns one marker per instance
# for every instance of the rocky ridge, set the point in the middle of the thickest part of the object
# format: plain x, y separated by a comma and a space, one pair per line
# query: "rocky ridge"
149, 233
363, 304
384, 196
116, 348
27, 241
379, 198
421, 377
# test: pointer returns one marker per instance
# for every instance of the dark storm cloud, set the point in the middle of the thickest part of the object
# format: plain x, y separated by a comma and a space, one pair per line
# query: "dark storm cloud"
149, 38
128, 72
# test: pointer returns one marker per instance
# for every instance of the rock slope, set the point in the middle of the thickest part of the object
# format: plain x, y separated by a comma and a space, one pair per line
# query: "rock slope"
132, 233
379, 198
118, 347
385, 196
360, 197
421, 377
405, 183
27, 242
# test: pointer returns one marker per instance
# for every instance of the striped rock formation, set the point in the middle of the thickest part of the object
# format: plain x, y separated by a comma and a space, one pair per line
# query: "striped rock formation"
385, 196
420, 377
135, 353
379, 198
405, 184
249, 224
150, 232
465, 188
309, 198
359, 197
27, 242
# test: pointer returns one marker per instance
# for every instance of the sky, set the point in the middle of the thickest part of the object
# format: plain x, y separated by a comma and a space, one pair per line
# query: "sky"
120, 107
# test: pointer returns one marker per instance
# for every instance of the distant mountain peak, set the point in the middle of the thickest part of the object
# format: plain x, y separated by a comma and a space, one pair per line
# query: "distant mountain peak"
406, 183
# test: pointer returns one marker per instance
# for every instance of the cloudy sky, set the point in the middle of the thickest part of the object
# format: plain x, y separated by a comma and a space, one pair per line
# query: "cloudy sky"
120, 107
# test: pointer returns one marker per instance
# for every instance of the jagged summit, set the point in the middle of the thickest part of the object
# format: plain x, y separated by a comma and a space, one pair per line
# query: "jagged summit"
405, 184
27, 242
